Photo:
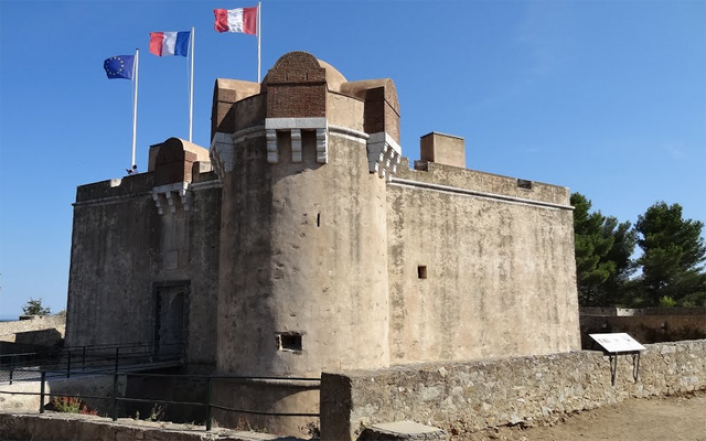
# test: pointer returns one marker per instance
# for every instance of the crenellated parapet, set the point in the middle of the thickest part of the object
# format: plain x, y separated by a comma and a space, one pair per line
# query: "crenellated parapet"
226, 116
303, 102
384, 154
170, 198
295, 126
175, 162
221, 154
382, 108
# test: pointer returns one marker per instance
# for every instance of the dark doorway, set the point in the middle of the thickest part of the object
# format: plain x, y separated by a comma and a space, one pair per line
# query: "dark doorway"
170, 317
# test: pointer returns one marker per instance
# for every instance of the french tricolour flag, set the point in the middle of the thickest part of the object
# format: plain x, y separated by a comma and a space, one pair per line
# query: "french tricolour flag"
236, 20
169, 43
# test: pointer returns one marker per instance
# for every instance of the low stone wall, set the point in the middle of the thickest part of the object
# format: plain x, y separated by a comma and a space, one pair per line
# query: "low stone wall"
74, 427
467, 397
7, 350
629, 312
10, 330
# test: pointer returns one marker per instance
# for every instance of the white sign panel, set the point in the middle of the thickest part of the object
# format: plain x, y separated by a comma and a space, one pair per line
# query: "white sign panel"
618, 342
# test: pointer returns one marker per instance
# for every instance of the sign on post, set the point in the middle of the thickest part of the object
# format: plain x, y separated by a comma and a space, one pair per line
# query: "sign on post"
616, 344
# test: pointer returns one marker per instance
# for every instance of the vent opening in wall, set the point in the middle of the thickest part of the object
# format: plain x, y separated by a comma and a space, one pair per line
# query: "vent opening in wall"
421, 272
291, 341
318, 220
523, 183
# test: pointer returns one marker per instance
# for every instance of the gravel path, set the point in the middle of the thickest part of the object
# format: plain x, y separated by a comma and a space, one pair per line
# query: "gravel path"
657, 419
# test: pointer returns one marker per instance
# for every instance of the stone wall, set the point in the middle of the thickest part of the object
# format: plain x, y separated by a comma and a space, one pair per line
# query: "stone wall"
135, 256
478, 267
627, 312
645, 329
74, 427
110, 278
9, 330
8, 349
467, 397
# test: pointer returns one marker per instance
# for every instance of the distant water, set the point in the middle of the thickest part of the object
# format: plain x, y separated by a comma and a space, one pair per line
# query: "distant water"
8, 318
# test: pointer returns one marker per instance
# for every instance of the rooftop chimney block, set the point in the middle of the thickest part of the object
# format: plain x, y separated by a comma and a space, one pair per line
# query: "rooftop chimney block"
443, 149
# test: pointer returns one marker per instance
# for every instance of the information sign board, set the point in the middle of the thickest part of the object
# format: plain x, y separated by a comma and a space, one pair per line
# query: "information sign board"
617, 342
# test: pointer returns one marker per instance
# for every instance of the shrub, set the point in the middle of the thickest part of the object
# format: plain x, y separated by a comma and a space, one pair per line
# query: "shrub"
667, 302
71, 405
66, 404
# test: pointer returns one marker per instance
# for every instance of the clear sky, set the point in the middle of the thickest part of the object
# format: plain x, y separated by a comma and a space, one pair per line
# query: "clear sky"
605, 97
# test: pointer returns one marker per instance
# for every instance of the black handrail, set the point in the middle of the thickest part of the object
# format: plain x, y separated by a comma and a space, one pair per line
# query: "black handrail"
208, 403
70, 349
92, 358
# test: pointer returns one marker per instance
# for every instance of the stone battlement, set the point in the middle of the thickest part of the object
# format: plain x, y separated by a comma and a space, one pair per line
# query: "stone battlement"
482, 183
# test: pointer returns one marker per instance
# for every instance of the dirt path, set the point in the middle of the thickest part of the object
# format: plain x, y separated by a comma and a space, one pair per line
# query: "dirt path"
666, 419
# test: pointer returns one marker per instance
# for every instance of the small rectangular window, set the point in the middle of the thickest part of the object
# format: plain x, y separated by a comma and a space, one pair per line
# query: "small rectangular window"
422, 272
290, 341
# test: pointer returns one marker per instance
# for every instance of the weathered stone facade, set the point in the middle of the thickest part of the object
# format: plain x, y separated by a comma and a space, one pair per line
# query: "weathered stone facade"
302, 242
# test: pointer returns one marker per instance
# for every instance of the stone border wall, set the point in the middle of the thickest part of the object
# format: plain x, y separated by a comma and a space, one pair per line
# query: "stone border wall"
468, 397
648, 328
629, 312
8, 330
53, 426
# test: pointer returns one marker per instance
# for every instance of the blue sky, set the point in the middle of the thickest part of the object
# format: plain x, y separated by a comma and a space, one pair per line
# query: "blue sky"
605, 97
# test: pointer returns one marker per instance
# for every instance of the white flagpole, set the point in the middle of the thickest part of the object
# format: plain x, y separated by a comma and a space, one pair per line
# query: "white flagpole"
134, 104
191, 88
259, 37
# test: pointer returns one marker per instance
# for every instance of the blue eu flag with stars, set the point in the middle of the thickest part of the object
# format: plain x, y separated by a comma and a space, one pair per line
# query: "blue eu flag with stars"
119, 66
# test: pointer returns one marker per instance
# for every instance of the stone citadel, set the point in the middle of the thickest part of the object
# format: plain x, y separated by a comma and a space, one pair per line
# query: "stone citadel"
303, 241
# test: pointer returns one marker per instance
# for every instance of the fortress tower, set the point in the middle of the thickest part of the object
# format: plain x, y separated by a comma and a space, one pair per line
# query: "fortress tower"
302, 242
303, 219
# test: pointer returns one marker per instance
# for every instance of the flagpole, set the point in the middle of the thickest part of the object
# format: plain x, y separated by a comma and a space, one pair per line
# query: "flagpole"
191, 88
134, 104
259, 37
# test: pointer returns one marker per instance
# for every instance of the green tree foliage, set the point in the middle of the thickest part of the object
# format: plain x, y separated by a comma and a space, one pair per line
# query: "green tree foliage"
673, 251
35, 307
592, 247
618, 286
604, 247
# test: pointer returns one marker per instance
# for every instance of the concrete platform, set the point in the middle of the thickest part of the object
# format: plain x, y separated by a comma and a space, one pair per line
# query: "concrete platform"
403, 430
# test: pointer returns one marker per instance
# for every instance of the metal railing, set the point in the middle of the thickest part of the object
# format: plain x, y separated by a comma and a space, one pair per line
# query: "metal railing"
93, 359
307, 383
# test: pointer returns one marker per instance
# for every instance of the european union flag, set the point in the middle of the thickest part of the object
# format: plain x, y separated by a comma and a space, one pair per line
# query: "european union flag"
119, 66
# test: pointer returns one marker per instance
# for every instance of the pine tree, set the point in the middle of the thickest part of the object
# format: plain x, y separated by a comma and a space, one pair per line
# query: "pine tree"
35, 307
591, 247
673, 251
616, 289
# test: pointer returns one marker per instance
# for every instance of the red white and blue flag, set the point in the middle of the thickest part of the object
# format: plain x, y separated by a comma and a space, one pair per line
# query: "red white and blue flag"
163, 44
242, 20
